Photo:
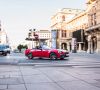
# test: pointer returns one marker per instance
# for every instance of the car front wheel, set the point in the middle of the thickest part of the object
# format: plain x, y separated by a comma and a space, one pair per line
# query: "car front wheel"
30, 56
5, 54
53, 56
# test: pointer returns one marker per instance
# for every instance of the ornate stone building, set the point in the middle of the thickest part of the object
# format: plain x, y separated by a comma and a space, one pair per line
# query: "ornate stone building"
77, 25
93, 31
58, 23
68, 21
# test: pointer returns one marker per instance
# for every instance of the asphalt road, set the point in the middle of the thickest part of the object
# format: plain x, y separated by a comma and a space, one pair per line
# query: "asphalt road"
74, 60
81, 71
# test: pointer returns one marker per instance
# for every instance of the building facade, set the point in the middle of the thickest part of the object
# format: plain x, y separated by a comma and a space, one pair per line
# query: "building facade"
65, 22
3, 36
43, 37
77, 27
58, 22
93, 31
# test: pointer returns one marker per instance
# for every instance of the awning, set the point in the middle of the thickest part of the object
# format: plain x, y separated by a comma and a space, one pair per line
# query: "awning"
30, 39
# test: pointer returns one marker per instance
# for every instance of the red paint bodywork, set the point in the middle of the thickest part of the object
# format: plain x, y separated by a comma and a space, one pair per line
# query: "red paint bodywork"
45, 53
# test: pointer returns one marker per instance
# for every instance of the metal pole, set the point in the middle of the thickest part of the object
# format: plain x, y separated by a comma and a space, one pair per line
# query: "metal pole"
33, 32
32, 38
90, 47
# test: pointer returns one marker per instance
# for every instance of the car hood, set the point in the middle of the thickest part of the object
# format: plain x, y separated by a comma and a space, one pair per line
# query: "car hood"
59, 50
62, 50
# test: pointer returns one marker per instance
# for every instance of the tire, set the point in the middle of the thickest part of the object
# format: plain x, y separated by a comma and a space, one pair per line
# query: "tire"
40, 58
53, 56
5, 54
9, 52
30, 56
61, 58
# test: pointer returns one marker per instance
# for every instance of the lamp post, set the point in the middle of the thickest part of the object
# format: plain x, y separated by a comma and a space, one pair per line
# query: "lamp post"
32, 34
37, 39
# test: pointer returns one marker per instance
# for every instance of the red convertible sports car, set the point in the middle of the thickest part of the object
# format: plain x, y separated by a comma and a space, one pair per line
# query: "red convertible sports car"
46, 52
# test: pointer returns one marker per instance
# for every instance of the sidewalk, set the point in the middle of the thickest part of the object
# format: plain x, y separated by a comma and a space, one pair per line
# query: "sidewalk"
83, 53
48, 78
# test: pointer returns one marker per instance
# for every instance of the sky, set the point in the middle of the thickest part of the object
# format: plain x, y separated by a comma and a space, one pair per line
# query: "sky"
18, 16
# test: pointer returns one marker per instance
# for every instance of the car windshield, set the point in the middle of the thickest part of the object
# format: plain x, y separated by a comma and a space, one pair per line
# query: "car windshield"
45, 47
7, 46
2, 47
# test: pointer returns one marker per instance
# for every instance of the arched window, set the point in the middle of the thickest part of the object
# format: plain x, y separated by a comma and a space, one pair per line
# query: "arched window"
63, 18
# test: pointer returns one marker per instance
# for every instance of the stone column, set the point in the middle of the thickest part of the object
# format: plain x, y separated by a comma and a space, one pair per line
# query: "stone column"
89, 44
60, 45
91, 47
88, 51
98, 43
80, 47
68, 46
59, 39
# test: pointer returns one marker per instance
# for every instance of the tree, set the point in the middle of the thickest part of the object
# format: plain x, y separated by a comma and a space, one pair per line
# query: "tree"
25, 46
19, 47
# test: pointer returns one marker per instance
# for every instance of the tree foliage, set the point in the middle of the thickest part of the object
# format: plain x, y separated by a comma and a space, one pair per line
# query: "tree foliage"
20, 47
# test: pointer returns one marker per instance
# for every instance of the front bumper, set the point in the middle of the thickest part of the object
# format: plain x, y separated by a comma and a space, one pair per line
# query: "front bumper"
3, 52
64, 55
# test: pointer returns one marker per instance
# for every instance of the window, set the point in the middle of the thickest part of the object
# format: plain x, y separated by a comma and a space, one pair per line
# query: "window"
91, 20
63, 33
95, 22
95, 19
63, 18
94, 15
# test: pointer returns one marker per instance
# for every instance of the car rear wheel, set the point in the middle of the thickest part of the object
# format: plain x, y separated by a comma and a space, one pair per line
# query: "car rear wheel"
53, 56
40, 58
30, 56
5, 54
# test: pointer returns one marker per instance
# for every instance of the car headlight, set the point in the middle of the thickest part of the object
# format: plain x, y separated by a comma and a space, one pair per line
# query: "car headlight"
60, 51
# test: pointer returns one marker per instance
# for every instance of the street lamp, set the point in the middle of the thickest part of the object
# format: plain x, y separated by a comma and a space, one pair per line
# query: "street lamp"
32, 33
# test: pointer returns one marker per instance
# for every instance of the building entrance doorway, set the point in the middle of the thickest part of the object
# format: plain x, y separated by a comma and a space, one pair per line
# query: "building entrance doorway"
64, 46
94, 43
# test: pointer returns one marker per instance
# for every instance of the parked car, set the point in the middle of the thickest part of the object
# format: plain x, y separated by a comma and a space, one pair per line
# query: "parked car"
3, 50
8, 49
16, 51
46, 52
